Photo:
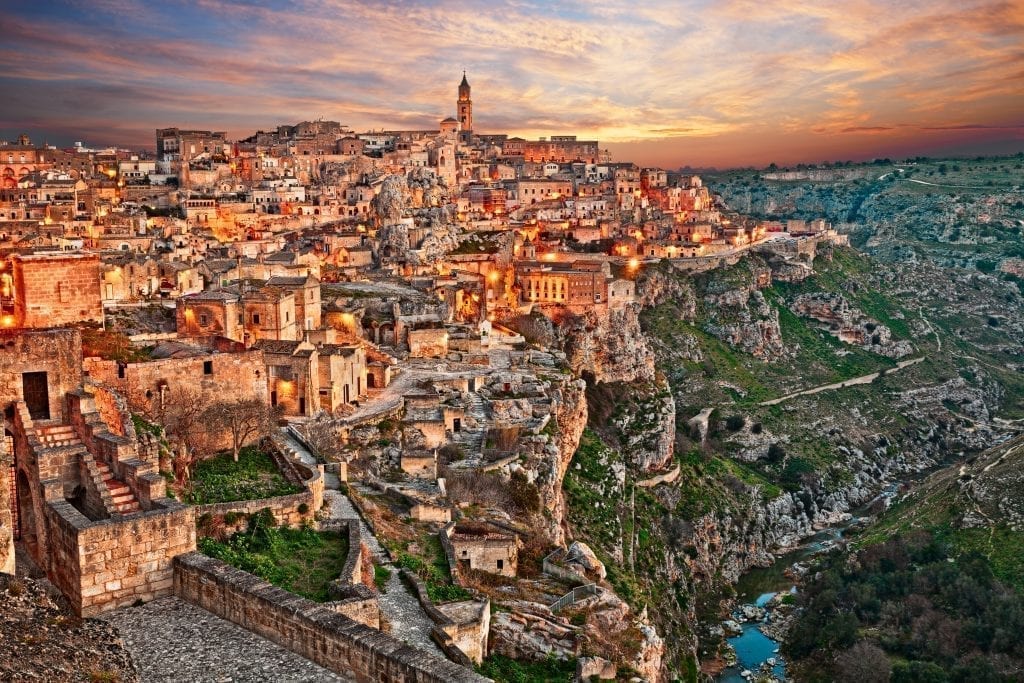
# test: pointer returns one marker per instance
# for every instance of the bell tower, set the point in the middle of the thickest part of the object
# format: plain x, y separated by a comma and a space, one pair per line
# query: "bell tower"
464, 106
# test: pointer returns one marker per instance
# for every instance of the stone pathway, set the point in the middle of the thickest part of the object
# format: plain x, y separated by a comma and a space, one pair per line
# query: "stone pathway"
409, 623
331, 481
864, 379
172, 640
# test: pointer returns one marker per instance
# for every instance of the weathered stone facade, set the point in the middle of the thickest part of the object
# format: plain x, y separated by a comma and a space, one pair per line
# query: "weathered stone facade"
92, 508
212, 376
486, 550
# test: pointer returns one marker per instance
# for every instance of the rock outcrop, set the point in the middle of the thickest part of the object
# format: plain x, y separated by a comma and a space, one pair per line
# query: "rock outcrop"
849, 324
530, 632
43, 640
744, 320
609, 345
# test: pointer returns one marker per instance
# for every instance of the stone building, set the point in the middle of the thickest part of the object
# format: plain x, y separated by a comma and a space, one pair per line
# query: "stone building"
560, 148
90, 504
55, 288
464, 106
306, 293
428, 342
579, 284
304, 378
248, 312
210, 377
484, 548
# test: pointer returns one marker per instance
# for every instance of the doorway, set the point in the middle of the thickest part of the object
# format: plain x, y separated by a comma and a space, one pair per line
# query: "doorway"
37, 395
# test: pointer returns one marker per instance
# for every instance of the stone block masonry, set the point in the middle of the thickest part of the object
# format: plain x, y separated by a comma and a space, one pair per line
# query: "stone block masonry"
112, 563
306, 628
56, 288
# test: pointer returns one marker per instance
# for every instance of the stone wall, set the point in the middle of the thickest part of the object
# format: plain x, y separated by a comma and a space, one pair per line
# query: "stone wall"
104, 565
462, 633
57, 288
492, 553
6, 518
351, 597
208, 379
428, 343
420, 464
308, 629
58, 353
291, 510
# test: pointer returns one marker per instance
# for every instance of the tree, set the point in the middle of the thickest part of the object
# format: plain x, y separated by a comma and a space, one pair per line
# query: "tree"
734, 423
180, 412
247, 420
865, 662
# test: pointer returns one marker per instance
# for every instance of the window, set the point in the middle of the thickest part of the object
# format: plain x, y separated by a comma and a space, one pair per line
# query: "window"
287, 316
501, 565
207, 367
202, 319
256, 318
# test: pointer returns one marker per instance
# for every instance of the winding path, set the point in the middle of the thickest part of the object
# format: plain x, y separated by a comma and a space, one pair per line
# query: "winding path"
409, 623
863, 379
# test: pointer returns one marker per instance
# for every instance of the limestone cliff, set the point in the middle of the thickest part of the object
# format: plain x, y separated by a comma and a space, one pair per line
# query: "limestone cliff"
737, 312
608, 345
570, 414
761, 477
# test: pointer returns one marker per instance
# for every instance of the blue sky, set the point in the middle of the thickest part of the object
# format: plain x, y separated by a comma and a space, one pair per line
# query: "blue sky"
669, 83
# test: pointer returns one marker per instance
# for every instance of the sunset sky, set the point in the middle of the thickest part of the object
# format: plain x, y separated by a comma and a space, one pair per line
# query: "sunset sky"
717, 83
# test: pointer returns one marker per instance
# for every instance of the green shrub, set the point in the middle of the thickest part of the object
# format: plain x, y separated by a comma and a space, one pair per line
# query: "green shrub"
233, 517
735, 423
303, 561
504, 669
381, 576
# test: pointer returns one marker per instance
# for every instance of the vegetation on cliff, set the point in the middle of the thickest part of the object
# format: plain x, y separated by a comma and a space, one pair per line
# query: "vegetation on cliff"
753, 474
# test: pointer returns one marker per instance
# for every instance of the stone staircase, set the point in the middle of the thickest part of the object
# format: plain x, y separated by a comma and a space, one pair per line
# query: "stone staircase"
471, 440
62, 437
124, 500
57, 436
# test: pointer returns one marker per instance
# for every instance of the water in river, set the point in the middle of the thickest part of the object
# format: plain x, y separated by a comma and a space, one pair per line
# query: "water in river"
759, 586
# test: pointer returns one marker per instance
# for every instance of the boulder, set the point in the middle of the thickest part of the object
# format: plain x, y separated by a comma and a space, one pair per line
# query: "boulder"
582, 556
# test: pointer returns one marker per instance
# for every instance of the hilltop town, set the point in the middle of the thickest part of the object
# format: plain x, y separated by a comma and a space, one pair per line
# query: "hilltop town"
451, 362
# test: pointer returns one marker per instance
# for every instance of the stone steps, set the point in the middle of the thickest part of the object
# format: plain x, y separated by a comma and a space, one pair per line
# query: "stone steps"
57, 436
125, 502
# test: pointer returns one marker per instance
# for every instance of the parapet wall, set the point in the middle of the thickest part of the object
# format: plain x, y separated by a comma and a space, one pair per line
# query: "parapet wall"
107, 564
311, 630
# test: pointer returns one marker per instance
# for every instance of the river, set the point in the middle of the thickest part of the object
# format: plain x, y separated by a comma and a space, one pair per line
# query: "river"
759, 587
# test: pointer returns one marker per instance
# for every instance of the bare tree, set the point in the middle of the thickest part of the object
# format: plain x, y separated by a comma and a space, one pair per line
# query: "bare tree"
247, 420
865, 662
179, 411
